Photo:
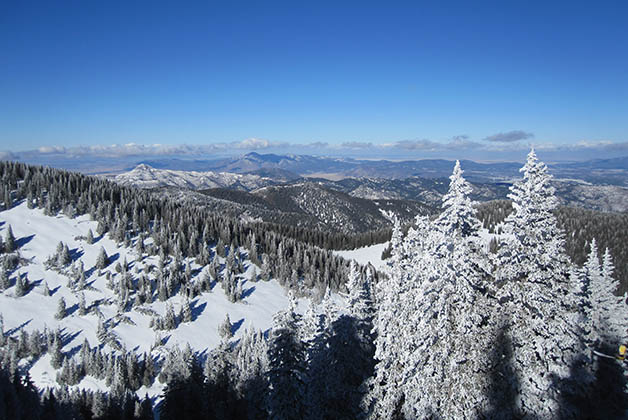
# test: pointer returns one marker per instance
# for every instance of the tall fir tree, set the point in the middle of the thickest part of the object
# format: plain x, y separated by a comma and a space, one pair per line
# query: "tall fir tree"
533, 270
433, 323
286, 369
608, 312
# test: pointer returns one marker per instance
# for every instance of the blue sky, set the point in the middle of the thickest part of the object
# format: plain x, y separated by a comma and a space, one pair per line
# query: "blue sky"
421, 79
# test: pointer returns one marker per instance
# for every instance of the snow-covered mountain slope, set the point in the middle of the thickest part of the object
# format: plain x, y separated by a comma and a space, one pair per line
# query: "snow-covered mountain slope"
145, 176
37, 237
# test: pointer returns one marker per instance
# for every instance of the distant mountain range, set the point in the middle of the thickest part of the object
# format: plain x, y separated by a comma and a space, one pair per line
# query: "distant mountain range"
599, 171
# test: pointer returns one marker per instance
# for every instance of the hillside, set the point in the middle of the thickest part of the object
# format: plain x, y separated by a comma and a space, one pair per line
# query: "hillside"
129, 324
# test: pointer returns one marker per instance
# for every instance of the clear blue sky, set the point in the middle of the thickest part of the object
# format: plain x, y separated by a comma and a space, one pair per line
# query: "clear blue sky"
87, 72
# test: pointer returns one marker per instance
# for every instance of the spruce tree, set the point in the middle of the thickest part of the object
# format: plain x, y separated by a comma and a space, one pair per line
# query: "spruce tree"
286, 358
90, 237
22, 285
608, 312
102, 260
61, 309
226, 328
433, 322
10, 244
535, 289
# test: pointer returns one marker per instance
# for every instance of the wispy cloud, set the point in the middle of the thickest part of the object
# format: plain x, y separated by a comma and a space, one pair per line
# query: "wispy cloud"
356, 145
255, 144
509, 136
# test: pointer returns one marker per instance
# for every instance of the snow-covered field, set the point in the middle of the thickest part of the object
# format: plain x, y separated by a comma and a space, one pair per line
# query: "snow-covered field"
369, 254
38, 236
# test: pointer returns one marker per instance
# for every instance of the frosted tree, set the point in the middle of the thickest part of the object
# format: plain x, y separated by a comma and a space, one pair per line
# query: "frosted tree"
5, 283
226, 328
82, 305
286, 358
458, 215
90, 237
357, 293
102, 260
3, 339
537, 293
434, 320
9, 240
63, 255
609, 313
170, 319
101, 332
56, 356
61, 309
22, 285
186, 311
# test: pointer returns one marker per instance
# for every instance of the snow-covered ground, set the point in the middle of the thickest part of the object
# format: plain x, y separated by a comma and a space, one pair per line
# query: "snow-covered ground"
38, 236
373, 253
144, 176
369, 254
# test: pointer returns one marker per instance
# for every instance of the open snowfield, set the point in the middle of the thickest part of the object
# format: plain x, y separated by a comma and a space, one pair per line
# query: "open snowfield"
38, 235
368, 254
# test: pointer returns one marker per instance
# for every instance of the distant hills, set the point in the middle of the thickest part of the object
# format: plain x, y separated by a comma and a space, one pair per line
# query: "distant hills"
598, 171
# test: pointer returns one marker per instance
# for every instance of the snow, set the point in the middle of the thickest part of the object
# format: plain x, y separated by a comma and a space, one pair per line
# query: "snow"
368, 254
38, 236
145, 176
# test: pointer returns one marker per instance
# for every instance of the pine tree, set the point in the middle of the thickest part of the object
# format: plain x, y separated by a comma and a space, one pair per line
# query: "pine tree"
9, 241
61, 309
432, 324
5, 282
186, 311
82, 305
90, 237
608, 312
102, 260
286, 356
22, 285
56, 356
533, 272
46, 290
170, 320
226, 328
63, 255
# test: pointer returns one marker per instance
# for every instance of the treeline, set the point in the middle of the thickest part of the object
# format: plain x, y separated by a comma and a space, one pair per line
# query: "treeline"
581, 226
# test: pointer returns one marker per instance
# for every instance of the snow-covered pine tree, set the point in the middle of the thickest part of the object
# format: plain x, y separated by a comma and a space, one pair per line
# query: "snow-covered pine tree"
22, 285
63, 255
170, 319
102, 260
535, 289
56, 356
286, 369
61, 309
226, 329
5, 283
609, 313
358, 298
186, 311
10, 244
82, 305
90, 237
433, 322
